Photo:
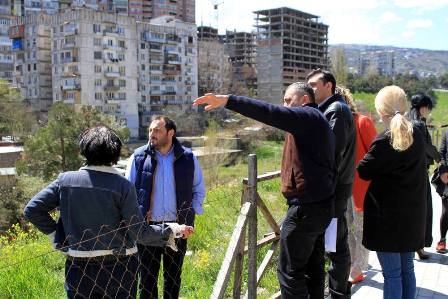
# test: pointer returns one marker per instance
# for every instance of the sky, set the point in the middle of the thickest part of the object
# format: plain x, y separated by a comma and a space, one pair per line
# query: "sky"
400, 23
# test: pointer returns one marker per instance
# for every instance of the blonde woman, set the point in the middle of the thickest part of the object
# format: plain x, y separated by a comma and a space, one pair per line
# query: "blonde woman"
395, 203
365, 134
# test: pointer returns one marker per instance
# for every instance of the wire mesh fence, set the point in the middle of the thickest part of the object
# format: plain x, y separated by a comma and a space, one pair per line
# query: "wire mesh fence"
104, 264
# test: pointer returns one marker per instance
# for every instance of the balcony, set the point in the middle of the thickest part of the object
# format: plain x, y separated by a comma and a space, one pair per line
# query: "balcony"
111, 32
17, 45
71, 86
69, 59
69, 45
154, 39
170, 92
70, 74
176, 61
155, 60
16, 31
155, 72
70, 31
111, 74
109, 46
111, 87
155, 48
155, 92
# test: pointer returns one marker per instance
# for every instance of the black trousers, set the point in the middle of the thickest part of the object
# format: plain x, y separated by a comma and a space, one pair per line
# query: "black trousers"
339, 271
107, 277
150, 259
428, 222
301, 266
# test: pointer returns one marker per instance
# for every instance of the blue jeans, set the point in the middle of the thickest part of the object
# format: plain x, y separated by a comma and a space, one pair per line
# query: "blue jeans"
399, 276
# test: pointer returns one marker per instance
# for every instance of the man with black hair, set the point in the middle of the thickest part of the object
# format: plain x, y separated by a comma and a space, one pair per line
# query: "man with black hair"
99, 221
341, 122
307, 183
170, 188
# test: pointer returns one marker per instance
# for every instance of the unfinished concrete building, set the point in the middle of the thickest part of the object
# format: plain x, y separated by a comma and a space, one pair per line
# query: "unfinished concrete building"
290, 43
206, 33
241, 47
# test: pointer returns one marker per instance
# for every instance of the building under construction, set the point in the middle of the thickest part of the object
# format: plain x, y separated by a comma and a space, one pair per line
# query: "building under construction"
241, 47
290, 44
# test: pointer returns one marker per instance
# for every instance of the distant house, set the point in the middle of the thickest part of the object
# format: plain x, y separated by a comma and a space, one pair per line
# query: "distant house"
9, 153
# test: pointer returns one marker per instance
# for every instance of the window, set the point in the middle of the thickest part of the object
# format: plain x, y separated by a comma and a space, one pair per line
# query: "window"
121, 56
97, 68
121, 43
122, 95
142, 46
97, 82
142, 67
34, 67
143, 99
97, 41
98, 96
122, 70
96, 28
122, 83
97, 55
120, 30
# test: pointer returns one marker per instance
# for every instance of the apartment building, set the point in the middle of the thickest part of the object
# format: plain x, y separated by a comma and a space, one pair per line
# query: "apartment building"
168, 73
6, 59
377, 62
145, 10
94, 63
290, 43
123, 67
31, 47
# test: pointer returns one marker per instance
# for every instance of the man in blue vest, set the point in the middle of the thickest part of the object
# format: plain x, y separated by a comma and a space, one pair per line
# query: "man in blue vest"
170, 188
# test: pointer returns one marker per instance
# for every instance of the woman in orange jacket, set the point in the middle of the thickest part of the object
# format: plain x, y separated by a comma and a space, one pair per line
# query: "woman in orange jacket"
365, 133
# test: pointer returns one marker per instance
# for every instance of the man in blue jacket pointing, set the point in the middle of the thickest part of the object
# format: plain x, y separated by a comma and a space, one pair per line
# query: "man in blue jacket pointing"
308, 174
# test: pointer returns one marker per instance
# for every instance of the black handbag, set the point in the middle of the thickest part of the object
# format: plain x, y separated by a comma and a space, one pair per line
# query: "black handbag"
437, 182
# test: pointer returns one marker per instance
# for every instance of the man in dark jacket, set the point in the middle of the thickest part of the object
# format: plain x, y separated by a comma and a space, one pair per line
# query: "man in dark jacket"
341, 121
170, 188
307, 183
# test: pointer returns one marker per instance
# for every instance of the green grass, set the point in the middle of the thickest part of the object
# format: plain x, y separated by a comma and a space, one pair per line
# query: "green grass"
439, 115
43, 277
22, 277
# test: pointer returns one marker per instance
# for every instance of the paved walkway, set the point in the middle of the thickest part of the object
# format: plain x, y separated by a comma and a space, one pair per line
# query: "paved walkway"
431, 274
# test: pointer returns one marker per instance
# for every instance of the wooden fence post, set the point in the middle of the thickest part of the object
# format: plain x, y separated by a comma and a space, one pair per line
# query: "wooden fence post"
252, 228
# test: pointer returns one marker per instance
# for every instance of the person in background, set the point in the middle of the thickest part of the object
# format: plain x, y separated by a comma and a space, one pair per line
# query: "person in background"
421, 105
170, 188
99, 221
443, 172
341, 122
395, 202
365, 134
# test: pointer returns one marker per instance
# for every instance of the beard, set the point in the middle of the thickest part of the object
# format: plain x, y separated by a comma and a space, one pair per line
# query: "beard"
159, 143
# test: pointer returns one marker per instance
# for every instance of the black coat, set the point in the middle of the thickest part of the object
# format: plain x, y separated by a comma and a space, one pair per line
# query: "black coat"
341, 122
395, 203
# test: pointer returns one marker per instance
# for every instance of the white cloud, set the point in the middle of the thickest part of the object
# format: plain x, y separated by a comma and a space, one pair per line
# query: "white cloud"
419, 23
422, 4
389, 17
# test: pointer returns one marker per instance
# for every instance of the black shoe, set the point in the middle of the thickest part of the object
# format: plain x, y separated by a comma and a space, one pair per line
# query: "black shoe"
422, 254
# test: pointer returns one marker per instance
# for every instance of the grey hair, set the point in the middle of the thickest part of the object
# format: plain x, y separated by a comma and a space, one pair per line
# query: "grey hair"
303, 88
